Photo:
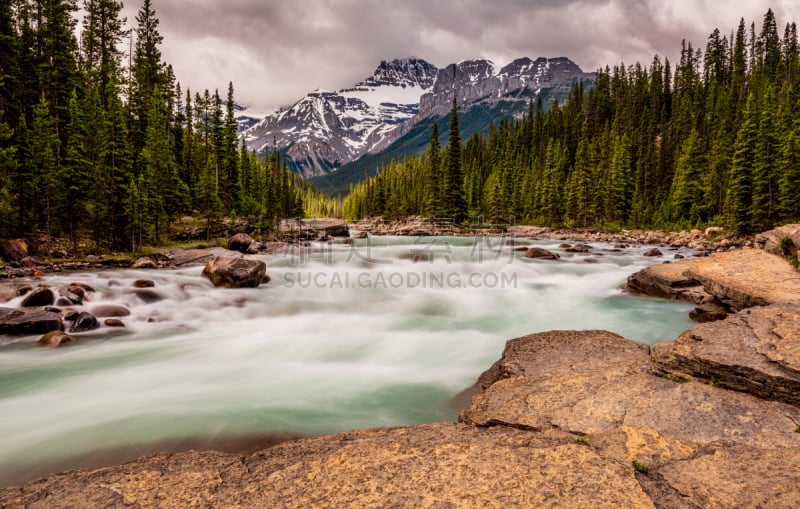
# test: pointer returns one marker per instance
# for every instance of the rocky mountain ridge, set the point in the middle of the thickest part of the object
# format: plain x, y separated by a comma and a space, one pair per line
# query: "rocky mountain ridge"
325, 129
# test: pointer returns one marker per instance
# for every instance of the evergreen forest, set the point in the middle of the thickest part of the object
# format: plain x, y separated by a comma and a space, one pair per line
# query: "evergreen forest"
100, 142
712, 140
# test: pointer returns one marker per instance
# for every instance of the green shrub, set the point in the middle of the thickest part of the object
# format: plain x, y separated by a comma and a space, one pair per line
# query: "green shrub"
641, 467
787, 247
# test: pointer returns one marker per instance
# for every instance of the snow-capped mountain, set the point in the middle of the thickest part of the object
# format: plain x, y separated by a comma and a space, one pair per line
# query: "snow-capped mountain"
324, 130
476, 81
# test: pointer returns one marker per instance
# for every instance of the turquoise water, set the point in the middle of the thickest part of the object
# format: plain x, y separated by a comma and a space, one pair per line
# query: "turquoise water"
381, 333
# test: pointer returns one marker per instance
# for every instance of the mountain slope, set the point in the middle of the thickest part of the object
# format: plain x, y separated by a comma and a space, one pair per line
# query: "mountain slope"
485, 96
385, 116
327, 129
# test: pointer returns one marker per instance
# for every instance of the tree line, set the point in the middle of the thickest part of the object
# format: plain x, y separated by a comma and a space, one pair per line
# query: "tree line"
102, 144
713, 141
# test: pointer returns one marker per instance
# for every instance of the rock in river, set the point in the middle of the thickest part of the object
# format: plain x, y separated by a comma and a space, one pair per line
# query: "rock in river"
84, 322
20, 322
541, 254
38, 298
55, 339
235, 272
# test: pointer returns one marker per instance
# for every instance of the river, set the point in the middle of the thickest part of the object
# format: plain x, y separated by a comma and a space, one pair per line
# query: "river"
383, 332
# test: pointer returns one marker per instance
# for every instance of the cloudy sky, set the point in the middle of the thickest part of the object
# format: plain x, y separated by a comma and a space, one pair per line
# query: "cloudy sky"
275, 51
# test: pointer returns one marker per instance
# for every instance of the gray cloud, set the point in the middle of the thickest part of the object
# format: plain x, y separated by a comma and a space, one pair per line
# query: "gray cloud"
276, 51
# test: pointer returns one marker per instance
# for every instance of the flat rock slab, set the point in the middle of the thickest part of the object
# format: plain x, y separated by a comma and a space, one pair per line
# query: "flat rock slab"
626, 413
438, 465
747, 277
755, 351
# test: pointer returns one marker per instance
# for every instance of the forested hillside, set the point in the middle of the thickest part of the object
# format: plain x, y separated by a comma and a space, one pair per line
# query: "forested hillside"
713, 140
103, 145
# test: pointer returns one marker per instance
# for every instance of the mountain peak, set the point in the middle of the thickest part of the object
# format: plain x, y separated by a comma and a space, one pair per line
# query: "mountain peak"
410, 71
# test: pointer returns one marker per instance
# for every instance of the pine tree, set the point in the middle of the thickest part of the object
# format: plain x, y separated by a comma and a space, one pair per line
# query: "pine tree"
764, 206
147, 72
230, 162
45, 162
102, 34
74, 175
454, 180
434, 181
167, 194
741, 190
7, 167
687, 196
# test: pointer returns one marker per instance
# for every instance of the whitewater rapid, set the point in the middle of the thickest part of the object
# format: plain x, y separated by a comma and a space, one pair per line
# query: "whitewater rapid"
383, 332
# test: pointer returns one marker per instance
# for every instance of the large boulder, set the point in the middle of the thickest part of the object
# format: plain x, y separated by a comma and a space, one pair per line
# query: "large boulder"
21, 322
755, 351
668, 281
13, 250
240, 242
771, 241
231, 272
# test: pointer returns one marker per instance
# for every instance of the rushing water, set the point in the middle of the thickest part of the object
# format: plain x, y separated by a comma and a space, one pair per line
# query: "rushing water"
381, 333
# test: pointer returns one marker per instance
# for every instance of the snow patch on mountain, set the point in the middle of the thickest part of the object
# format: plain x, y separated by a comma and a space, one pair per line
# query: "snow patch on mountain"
337, 127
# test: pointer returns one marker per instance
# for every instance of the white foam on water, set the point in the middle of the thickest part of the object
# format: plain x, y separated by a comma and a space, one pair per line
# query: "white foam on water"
322, 348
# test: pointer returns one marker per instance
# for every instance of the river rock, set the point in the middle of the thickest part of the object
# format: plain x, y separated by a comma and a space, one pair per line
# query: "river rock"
235, 272
38, 298
541, 254
240, 242
20, 322
147, 295
755, 351
84, 322
653, 252
578, 248
144, 283
771, 241
72, 297
110, 311
55, 339
145, 262
13, 250
113, 322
